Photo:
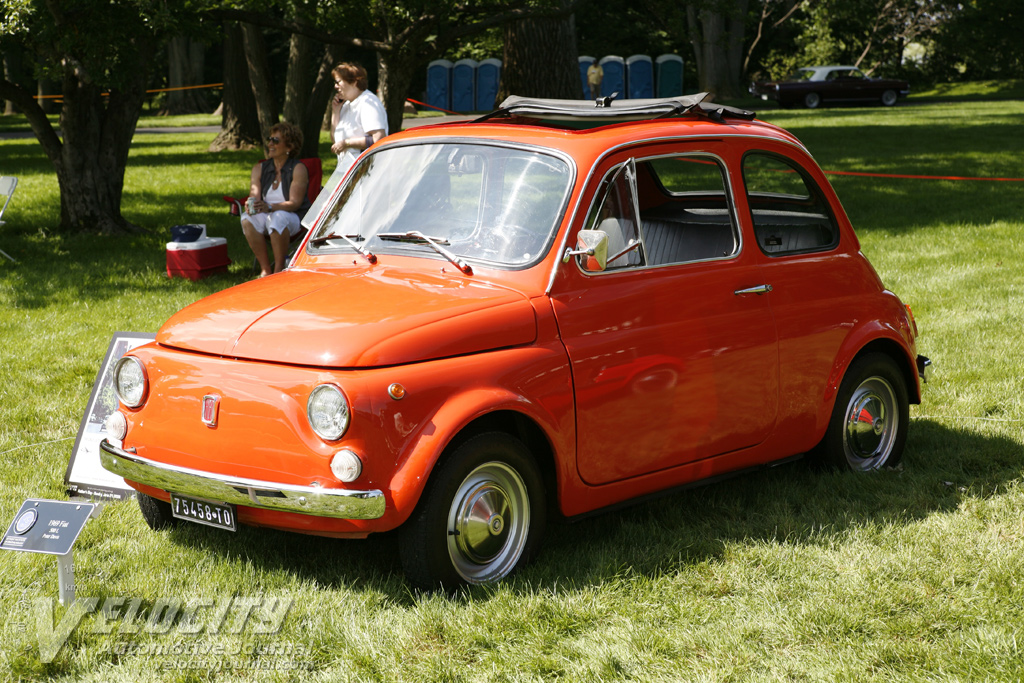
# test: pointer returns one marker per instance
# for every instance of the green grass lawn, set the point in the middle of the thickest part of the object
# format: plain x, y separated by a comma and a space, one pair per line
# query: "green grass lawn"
916, 574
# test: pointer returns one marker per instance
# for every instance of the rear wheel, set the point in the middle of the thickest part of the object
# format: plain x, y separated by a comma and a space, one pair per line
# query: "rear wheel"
812, 100
889, 98
869, 422
156, 512
481, 517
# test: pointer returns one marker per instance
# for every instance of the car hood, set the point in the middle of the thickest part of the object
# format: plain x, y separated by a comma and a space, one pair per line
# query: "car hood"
378, 317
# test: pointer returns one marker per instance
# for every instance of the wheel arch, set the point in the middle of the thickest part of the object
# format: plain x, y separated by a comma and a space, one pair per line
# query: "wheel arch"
869, 340
899, 356
427, 458
525, 429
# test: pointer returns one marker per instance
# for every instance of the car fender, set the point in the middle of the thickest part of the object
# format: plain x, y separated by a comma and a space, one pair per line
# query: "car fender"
423, 448
885, 336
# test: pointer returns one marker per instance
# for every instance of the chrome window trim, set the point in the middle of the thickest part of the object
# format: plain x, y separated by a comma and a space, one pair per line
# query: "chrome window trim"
657, 140
733, 215
812, 187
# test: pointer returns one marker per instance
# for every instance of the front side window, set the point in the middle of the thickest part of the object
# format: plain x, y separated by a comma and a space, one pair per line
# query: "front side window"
500, 205
789, 212
681, 205
615, 215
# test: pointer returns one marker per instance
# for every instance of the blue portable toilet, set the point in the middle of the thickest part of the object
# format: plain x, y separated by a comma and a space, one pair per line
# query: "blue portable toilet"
488, 78
585, 63
614, 77
439, 84
464, 85
641, 76
669, 76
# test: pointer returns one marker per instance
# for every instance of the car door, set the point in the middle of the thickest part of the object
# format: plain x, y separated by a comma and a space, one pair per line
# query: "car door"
673, 347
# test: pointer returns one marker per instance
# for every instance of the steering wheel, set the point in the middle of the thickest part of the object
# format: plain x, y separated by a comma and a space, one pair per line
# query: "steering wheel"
504, 244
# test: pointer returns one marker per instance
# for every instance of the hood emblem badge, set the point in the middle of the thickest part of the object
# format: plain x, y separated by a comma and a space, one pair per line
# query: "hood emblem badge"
211, 406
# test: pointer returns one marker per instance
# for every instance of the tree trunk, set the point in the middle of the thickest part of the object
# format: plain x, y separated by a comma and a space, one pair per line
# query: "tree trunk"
716, 34
240, 127
15, 72
540, 59
299, 81
45, 91
316, 103
90, 170
260, 78
395, 73
90, 160
186, 59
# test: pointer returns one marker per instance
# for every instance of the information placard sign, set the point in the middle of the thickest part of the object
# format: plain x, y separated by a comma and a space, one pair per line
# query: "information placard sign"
46, 526
85, 475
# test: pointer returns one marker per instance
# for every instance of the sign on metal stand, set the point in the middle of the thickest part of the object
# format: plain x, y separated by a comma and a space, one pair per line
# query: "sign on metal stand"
50, 527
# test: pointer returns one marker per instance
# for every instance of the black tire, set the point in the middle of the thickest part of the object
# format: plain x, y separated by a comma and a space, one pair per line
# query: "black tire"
869, 422
481, 516
156, 512
889, 98
812, 100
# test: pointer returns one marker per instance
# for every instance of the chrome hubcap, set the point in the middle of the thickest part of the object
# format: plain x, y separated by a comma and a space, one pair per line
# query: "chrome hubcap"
871, 424
488, 523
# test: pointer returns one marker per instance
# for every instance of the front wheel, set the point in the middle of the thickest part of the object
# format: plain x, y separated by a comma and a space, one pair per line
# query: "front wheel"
481, 517
869, 422
889, 98
156, 512
812, 100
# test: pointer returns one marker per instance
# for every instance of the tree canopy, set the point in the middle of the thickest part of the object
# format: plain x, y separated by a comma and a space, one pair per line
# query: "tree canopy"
277, 56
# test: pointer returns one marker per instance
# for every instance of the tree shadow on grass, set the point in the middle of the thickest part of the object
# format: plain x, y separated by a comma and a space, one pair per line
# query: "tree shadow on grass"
794, 504
94, 268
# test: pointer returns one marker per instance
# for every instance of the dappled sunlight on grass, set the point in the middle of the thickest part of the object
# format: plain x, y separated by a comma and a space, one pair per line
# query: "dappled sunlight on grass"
788, 573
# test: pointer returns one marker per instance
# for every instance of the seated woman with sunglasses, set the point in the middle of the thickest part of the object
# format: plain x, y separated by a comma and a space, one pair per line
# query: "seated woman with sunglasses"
277, 198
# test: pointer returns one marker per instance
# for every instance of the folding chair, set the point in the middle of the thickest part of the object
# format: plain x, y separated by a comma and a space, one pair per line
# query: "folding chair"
314, 169
7, 185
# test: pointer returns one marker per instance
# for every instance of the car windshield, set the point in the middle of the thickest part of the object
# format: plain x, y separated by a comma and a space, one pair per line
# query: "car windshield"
484, 202
801, 75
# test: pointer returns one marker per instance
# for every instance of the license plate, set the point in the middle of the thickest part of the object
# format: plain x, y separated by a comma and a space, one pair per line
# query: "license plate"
220, 515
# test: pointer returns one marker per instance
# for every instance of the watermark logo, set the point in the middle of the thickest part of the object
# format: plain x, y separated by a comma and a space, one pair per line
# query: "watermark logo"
165, 616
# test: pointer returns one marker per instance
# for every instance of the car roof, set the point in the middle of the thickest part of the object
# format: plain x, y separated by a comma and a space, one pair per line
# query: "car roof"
571, 125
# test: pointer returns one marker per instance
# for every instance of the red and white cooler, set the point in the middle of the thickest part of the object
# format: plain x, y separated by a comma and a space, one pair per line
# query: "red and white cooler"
195, 260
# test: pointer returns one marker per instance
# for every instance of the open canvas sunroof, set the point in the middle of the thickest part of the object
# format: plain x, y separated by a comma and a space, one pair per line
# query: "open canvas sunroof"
606, 110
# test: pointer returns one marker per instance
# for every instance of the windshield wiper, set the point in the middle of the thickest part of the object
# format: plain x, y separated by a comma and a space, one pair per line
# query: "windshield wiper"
417, 237
317, 241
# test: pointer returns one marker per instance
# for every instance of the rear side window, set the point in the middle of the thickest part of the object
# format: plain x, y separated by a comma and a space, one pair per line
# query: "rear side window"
788, 210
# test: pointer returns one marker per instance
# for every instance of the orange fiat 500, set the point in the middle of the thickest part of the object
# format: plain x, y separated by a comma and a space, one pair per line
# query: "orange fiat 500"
553, 309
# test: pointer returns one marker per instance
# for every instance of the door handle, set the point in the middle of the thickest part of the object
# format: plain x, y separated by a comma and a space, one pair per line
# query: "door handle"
760, 289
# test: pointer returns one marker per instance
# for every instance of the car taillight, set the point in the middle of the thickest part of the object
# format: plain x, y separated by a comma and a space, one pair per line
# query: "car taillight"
913, 321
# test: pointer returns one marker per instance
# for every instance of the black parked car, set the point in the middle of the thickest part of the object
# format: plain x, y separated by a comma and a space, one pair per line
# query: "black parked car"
816, 85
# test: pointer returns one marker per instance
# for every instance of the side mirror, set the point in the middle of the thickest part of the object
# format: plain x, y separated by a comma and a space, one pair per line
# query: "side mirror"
592, 244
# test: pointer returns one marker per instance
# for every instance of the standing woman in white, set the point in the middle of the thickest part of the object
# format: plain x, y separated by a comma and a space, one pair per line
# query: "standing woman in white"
358, 118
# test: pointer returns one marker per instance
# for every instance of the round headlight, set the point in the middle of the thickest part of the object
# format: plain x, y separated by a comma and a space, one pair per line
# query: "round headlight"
327, 411
130, 381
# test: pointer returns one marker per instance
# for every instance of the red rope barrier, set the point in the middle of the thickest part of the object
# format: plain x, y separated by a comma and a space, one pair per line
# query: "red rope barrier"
921, 177
424, 104
184, 87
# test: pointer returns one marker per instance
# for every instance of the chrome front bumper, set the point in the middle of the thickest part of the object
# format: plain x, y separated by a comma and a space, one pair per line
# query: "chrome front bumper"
307, 500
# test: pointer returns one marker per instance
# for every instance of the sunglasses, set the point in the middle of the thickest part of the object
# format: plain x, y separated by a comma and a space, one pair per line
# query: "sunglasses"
273, 139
